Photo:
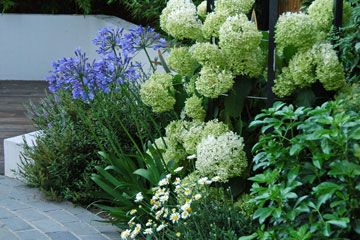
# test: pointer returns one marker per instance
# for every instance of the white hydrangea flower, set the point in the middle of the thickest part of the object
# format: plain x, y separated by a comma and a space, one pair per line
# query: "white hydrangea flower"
222, 156
322, 13
234, 6
179, 19
202, 9
295, 29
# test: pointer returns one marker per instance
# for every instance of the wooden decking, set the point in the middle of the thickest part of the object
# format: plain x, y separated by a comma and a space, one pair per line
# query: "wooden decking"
13, 96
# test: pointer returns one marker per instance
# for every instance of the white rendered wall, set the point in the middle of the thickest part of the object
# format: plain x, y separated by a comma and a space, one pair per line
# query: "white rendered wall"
30, 42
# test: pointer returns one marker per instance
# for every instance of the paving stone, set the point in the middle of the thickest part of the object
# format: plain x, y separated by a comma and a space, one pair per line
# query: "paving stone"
7, 235
63, 216
80, 228
31, 214
10, 182
48, 226
4, 213
62, 236
13, 204
15, 224
45, 206
93, 237
32, 235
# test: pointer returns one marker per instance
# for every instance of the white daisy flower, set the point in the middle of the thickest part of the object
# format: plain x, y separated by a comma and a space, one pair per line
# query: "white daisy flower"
168, 176
139, 197
216, 179
208, 182
166, 212
197, 196
185, 215
160, 227
163, 182
177, 188
125, 234
191, 157
186, 207
202, 181
178, 169
187, 191
149, 223
174, 217
164, 198
133, 211
148, 231
177, 181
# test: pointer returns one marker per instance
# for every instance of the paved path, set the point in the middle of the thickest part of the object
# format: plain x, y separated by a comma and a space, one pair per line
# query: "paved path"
26, 215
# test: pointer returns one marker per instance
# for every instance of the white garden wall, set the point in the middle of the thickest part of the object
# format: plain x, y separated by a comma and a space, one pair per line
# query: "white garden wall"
30, 42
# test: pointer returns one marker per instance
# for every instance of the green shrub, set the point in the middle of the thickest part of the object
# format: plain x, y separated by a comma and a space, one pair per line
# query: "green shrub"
309, 187
66, 152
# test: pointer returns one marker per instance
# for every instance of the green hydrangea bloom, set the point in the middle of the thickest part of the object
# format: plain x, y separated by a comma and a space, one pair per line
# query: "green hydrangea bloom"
181, 61
213, 82
240, 41
174, 152
179, 19
190, 86
158, 91
192, 137
202, 9
317, 64
175, 131
234, 6
302, 68
214, 128
329, 70
222, 156
238, 34
194, 108
284, 84
208, 54
249, 63
213, 23
321, 13
295, 29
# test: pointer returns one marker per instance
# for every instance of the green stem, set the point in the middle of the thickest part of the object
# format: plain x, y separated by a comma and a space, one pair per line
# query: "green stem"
148, 56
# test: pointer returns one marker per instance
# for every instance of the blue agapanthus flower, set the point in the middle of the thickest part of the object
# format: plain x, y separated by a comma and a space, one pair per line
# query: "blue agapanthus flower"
115, 65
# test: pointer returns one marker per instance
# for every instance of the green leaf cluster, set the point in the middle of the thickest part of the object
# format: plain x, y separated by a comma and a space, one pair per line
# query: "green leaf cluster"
308, 173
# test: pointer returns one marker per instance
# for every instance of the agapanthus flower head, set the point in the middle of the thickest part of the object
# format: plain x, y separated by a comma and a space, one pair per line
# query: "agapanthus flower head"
295, 29
141, 38
158, 91
181, 61
84, 79
234, 6
110, 39
194, 108
222, 156
214, 82
321, 13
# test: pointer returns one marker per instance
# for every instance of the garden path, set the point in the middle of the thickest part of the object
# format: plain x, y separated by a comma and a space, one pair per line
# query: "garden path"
26, 215
13, 122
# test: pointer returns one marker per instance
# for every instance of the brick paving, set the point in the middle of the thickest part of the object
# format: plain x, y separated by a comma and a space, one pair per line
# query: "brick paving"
25, 214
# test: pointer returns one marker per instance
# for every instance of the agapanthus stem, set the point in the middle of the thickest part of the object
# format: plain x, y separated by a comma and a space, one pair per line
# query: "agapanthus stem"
148, 56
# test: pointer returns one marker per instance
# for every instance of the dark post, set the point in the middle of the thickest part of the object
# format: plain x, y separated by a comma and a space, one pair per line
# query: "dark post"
338, 12
273, 15
210, 5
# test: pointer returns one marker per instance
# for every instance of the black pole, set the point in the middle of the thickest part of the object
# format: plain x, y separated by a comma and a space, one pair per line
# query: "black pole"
273, 15
210, 5
338, 12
